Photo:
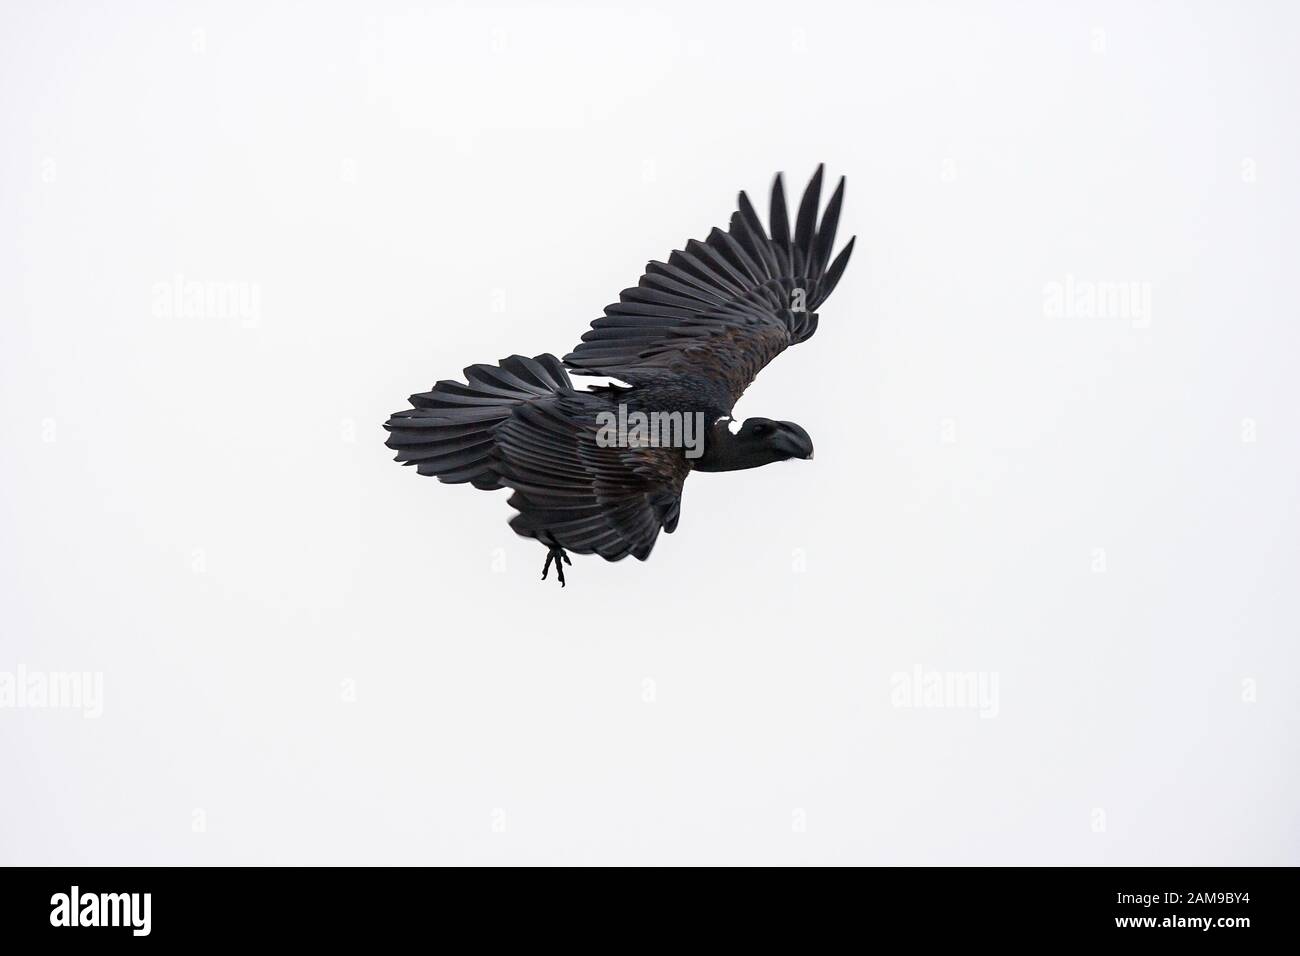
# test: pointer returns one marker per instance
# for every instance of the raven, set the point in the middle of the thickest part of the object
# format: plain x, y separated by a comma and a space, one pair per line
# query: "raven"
684, 343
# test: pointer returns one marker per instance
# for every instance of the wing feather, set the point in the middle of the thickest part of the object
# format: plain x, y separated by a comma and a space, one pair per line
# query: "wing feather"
724, 307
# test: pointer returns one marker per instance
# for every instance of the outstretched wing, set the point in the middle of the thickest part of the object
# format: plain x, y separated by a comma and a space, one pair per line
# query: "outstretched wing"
520, 425
725, 307
571, 491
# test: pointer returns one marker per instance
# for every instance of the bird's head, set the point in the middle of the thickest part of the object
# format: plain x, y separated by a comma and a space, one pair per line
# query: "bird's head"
759, 441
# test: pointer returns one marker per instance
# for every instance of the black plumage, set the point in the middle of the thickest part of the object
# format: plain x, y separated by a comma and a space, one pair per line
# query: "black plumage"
688, 338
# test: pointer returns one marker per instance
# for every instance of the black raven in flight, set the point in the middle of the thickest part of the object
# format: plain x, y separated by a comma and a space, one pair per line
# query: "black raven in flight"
601, 470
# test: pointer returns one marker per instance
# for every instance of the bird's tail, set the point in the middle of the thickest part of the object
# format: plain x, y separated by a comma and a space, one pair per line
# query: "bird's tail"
450, 430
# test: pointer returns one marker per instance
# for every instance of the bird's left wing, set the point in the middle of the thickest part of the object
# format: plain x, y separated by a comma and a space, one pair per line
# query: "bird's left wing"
725, 307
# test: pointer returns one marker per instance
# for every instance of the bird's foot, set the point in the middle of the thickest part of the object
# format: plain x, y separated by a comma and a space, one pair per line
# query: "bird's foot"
557, 555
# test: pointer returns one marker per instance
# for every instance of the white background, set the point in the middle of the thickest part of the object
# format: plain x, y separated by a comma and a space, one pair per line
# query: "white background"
202, 509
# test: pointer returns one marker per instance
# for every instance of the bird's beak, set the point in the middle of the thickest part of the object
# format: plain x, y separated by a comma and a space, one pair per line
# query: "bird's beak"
797, 441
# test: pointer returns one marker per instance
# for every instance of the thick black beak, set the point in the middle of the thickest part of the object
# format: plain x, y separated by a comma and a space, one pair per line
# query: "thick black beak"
795, 440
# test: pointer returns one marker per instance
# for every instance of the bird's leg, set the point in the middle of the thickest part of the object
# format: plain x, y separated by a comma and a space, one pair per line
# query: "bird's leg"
556, 554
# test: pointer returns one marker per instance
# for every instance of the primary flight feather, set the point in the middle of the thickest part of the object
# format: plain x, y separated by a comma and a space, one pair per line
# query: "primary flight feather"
687, 340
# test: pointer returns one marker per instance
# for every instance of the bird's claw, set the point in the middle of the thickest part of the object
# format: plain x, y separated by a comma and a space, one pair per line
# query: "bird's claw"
557, 555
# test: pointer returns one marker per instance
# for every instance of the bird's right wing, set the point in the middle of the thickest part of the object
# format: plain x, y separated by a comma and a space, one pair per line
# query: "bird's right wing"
723, 308
520, 425
572, 491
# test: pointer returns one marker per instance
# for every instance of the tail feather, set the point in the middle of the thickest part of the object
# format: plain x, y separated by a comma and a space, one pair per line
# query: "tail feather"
449, 430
